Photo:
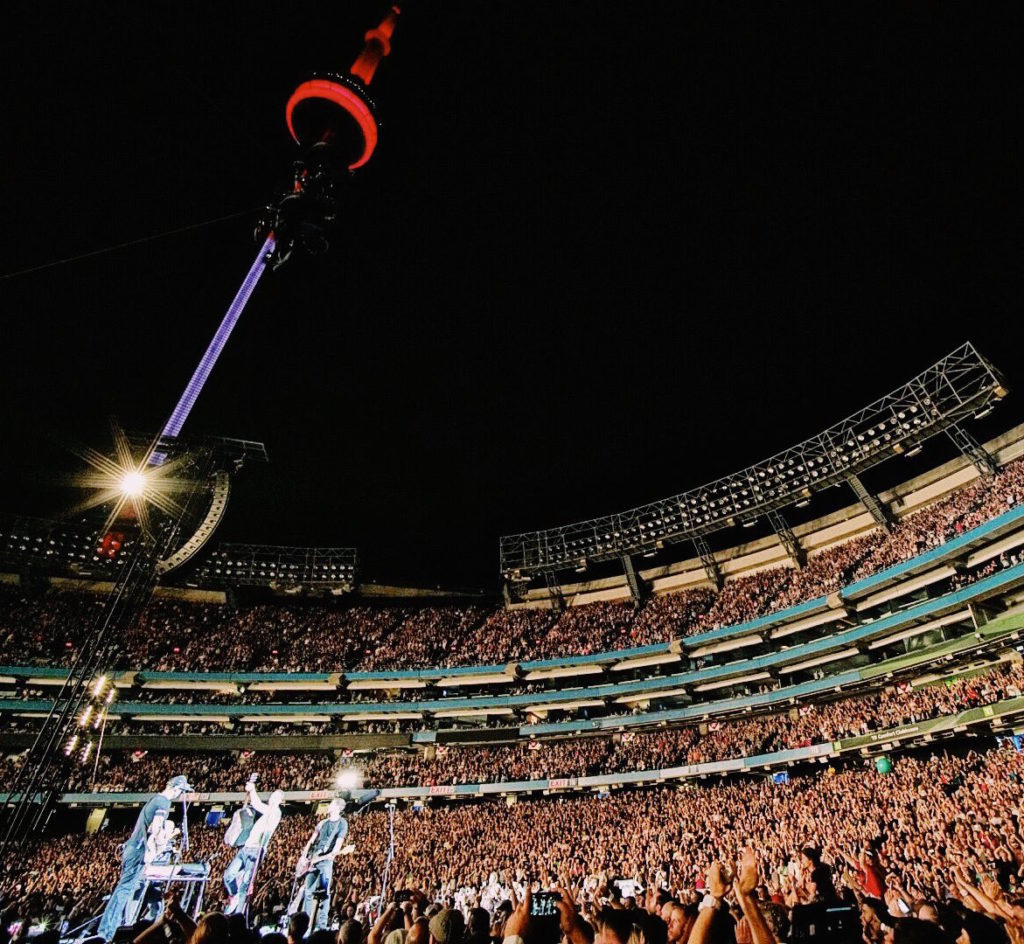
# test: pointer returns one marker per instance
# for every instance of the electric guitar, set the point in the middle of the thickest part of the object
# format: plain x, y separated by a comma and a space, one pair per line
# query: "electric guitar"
303, 866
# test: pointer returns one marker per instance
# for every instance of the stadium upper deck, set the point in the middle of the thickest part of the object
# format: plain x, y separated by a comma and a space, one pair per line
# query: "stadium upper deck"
952, 566
849, 573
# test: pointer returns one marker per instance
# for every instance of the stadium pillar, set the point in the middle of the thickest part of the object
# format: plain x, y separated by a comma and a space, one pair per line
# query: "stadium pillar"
554, 591
636, 588
873, 505
786, 537
972, 449
982, 612
708, 560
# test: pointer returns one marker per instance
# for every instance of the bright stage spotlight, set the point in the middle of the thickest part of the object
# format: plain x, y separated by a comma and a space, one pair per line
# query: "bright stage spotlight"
133, 483
349, 778
129, 484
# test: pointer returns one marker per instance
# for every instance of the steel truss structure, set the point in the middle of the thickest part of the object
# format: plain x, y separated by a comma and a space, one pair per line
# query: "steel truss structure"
76, 548
58, 547
43, 775
960, 385
267, 565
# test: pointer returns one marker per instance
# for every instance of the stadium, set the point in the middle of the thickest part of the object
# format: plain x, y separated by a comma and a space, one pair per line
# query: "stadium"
783, 701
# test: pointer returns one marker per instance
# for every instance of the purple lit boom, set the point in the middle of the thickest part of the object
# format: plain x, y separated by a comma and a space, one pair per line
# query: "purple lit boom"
202, 372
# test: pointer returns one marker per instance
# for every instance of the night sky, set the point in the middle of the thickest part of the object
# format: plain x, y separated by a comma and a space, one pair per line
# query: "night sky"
604, 252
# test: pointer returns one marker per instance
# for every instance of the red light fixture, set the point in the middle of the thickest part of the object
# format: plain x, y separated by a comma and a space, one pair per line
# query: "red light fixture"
340, 96
322, 102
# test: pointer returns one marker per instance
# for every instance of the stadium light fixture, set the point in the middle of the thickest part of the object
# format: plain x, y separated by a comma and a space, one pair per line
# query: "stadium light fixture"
960, 385
133, 483
129, 483
348, 779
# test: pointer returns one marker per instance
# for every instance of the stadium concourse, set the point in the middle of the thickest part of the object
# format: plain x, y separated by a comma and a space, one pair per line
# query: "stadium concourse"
895, 807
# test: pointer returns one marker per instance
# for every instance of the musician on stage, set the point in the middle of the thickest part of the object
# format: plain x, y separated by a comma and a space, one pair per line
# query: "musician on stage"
150, 820
160, 846
239, 873
160, 850
316, 864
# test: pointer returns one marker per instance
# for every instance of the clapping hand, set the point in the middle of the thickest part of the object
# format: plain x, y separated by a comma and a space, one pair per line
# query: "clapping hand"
747, 872
718, 880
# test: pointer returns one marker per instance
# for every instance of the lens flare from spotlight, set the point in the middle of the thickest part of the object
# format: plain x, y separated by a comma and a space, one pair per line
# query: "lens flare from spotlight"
128, 483
133, 483
349, 778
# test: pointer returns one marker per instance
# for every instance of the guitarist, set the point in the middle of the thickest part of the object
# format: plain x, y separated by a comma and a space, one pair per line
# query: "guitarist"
316, 864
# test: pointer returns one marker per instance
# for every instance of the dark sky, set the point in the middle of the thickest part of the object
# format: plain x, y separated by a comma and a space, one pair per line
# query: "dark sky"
604, 252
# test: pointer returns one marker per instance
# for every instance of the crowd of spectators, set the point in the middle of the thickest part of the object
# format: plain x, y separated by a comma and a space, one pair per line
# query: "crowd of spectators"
664, 615
320, 637
966, 508
939, 837
124, 771
965, 578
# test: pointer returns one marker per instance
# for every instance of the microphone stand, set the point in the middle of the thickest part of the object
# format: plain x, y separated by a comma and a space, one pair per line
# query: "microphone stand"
184, 823
391, 855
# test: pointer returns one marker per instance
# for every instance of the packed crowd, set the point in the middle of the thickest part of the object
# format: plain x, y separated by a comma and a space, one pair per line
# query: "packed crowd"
945, 520
173, 635
939, 837
554, 759
1006, 559
241, 693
